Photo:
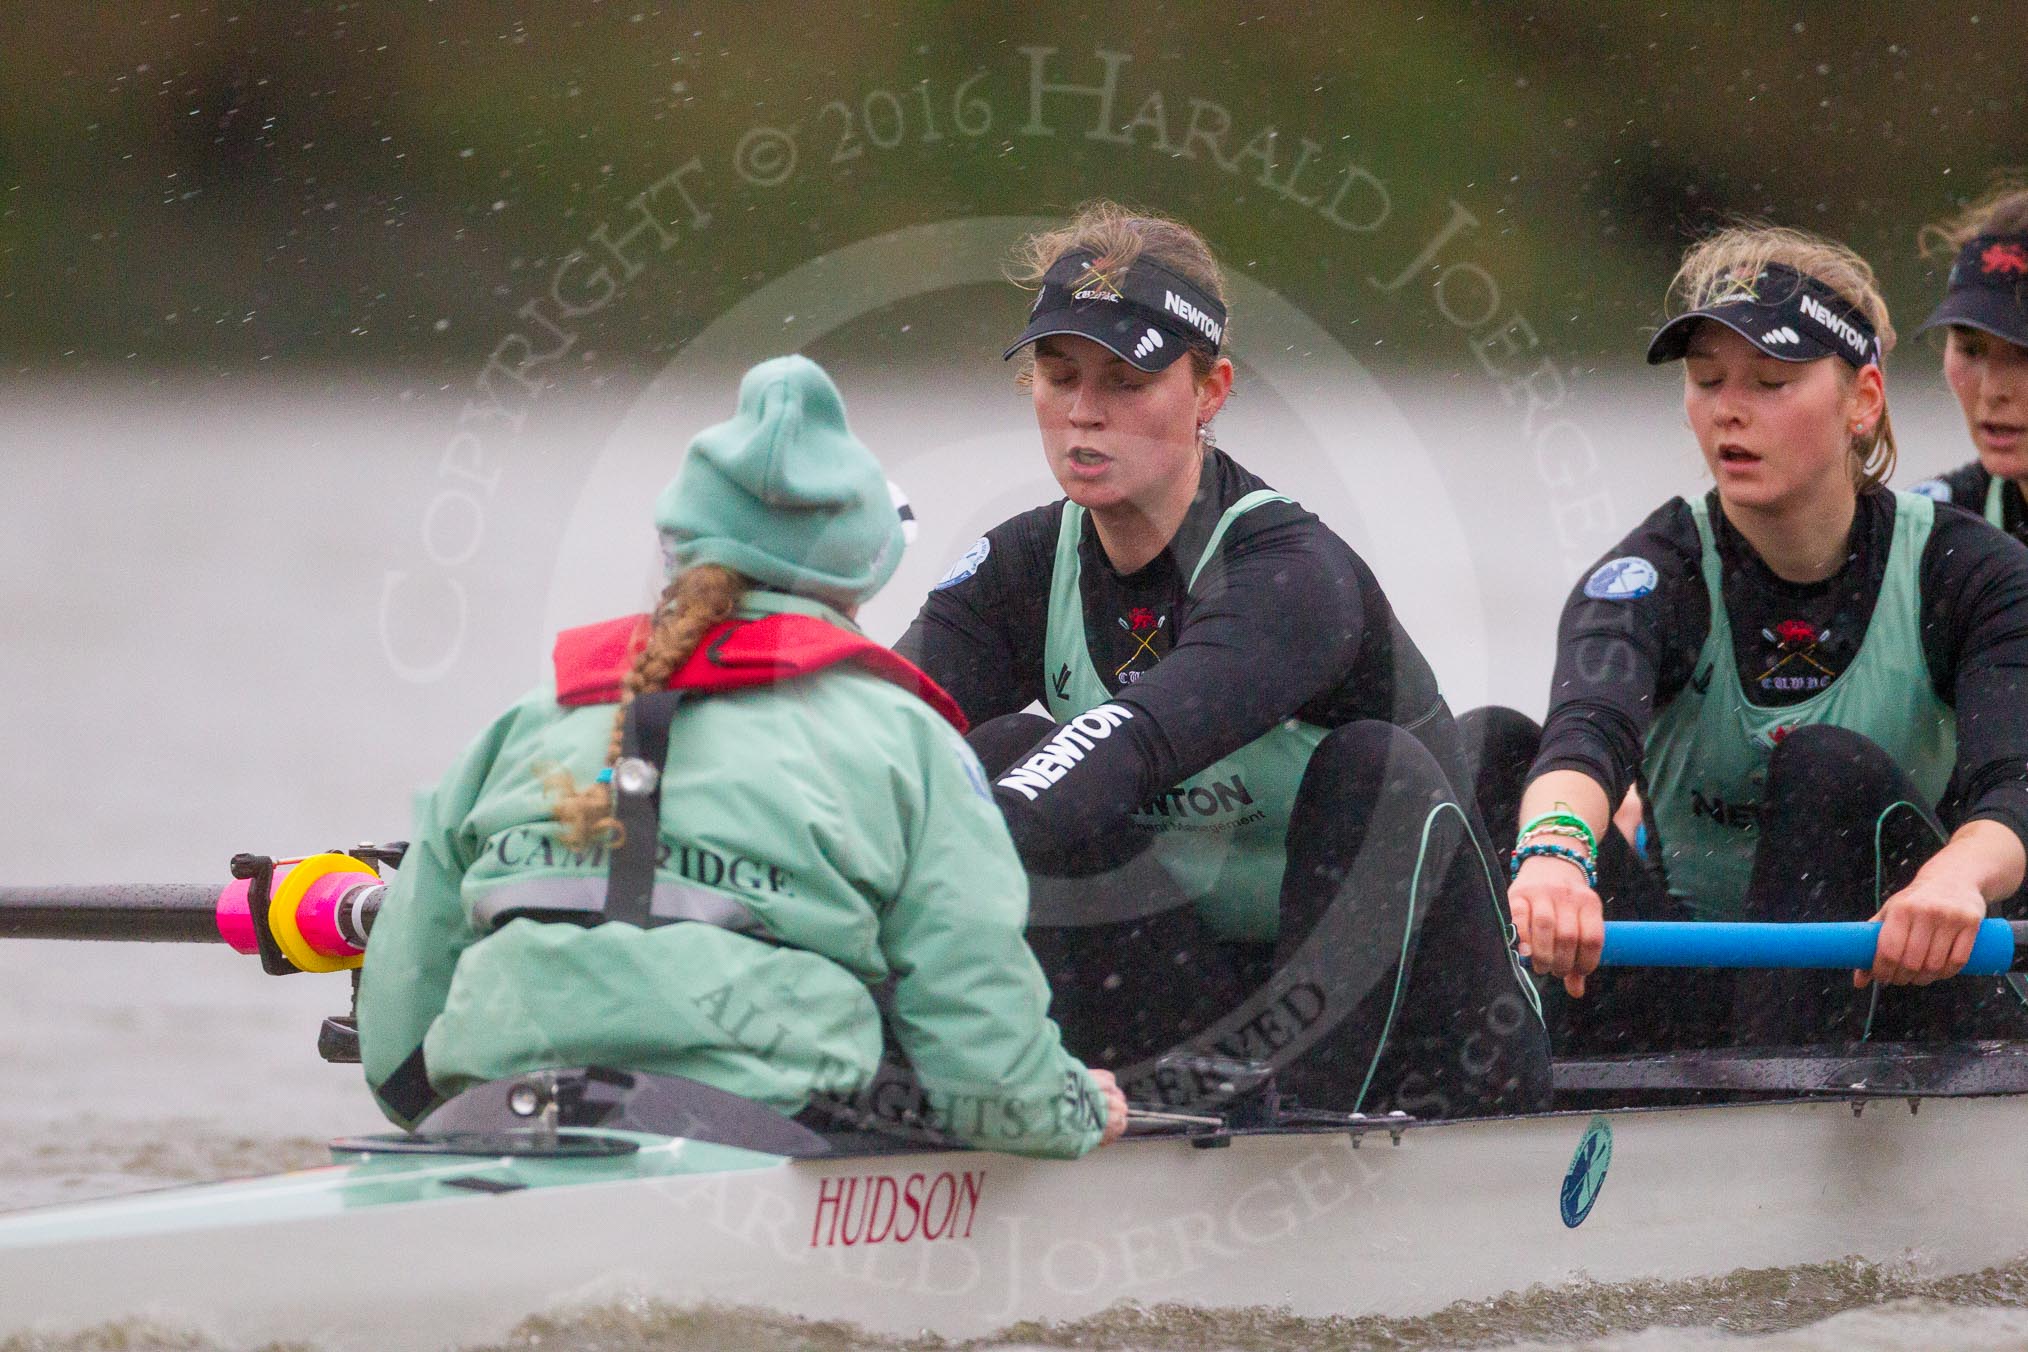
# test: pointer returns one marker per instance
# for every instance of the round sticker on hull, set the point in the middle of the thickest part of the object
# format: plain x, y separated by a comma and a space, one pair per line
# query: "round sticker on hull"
1625, 579
1587, 1171
966, 566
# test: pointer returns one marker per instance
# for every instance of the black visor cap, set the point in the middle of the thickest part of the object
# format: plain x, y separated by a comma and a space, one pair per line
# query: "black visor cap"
1988, 289
1784, 314
1147, 317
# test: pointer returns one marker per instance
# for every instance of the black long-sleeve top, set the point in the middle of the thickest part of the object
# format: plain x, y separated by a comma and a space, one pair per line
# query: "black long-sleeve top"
1619, 660
1287, 622
1966, 487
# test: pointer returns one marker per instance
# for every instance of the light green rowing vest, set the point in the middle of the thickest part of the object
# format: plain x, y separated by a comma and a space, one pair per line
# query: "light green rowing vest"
1221, 834
1996, 502
1707, 751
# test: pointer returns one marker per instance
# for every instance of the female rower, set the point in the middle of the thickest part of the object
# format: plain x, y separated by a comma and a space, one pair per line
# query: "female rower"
1238, 815
806, 807
1822, 687
1985, 315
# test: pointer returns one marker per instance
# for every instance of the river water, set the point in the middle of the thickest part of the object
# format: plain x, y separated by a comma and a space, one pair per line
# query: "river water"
256, 617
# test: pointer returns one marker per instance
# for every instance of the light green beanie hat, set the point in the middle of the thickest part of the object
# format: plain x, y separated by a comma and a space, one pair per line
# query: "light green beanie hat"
784, 493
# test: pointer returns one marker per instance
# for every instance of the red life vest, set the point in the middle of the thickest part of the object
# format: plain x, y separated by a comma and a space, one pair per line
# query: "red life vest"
593, 659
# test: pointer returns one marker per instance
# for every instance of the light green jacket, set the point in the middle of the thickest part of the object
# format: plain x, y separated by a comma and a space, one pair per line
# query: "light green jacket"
842, 812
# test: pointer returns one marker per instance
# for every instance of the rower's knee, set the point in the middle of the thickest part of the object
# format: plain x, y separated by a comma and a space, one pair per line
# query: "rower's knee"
1498, 741
1366, 798
1816, 758
1500, 745
1827, 744
1357, 763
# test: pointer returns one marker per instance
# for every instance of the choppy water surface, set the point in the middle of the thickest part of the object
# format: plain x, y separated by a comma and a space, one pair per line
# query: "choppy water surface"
1803, 1309
200, 656
1833, 1307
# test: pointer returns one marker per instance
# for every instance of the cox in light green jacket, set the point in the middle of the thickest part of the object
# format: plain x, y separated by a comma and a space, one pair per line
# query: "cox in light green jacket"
841, 811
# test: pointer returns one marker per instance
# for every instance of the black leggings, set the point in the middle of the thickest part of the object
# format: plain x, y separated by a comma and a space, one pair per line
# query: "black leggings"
1841, 830
1390, 985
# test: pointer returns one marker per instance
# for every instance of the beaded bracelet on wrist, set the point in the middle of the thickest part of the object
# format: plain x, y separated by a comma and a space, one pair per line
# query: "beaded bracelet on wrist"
1563, 852
1562, 817
1568, 832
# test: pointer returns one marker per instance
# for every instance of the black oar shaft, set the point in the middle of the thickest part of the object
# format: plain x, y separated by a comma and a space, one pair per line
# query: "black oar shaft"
141, 912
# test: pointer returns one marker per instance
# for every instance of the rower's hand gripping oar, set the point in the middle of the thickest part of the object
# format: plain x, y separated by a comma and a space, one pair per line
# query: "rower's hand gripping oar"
2001, 945
300, 915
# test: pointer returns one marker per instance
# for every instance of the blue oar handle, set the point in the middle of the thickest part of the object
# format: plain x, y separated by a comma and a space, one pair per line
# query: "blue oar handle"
2002, 945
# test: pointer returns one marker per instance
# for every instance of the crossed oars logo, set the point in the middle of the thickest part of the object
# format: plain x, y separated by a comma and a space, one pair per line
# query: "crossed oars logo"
1098, 282
1739, 286
1791, 634
1143, 643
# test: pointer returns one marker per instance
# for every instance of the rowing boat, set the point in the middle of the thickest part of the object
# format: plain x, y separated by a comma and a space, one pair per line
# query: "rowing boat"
568, 1189
415, 1251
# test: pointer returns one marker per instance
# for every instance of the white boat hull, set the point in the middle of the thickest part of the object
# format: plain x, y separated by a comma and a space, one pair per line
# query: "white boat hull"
966, 1244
